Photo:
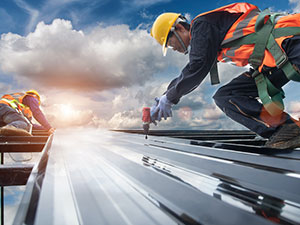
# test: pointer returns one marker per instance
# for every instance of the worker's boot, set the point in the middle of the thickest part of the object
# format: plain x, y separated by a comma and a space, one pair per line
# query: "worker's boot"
287, 137
9, 130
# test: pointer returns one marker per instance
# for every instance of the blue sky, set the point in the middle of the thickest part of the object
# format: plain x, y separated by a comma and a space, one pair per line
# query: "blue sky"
21, 16
95, 63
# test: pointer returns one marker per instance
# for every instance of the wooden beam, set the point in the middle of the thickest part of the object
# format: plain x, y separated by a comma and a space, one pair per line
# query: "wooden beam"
23, 139
14, 174
21, 147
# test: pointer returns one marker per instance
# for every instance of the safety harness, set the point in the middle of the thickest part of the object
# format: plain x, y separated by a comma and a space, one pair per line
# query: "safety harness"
264, 38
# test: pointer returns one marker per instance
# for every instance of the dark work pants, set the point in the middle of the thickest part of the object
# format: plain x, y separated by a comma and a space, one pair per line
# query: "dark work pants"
238, 100
9, 116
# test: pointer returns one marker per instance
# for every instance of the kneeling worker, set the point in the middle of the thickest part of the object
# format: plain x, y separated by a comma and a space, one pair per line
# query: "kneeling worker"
16, 112
243, 35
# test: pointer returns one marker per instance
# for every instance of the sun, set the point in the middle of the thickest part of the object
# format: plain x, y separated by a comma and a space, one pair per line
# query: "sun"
67, 110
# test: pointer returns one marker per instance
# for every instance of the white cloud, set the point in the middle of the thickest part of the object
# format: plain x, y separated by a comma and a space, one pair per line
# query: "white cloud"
5, 88
126, 119
212, 113
294, 109
296, 4
13, 196
55, 55
65, 115
188, 16
227, 71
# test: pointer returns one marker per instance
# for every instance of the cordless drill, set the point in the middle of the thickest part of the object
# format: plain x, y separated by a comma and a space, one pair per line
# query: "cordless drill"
146, 120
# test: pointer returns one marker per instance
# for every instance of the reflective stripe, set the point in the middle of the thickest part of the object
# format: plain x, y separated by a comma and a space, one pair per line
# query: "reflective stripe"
286, 26
231, 52
15, 100
226, 59
239, 30
11, 103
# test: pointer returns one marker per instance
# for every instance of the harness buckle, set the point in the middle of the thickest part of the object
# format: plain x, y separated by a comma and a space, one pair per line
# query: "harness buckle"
255, 74
282, 60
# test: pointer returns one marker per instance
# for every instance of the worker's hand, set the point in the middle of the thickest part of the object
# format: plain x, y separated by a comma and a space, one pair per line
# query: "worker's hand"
51, 130
153, 115
163, 109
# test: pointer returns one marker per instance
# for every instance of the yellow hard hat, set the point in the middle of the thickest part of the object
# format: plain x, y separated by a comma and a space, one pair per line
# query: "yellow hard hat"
161, 28
35, 94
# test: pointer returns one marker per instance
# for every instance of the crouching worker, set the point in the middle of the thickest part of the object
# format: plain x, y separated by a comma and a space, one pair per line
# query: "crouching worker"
243, 35
17, 111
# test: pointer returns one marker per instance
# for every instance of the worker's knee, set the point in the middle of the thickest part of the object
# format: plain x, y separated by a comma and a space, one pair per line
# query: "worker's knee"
216, 96
220, 97
20, 124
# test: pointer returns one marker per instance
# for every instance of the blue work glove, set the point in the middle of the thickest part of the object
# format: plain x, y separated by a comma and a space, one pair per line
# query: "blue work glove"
153, 115
163, 109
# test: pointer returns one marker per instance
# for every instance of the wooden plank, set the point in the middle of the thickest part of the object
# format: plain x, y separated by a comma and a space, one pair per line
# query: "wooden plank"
40, 133
21, 147
4, 139
14, 174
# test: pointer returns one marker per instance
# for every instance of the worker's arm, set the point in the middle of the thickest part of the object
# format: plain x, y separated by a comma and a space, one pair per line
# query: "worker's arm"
37, 113
207, 34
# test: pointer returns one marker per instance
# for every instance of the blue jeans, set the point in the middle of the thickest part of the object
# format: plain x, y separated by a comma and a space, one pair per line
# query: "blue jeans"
238, 100
9, 116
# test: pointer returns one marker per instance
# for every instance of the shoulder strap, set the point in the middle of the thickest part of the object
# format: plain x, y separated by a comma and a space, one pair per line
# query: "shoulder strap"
214, 74
264, 38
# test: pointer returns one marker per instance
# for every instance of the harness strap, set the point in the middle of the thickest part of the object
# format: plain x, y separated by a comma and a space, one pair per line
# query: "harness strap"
271, 97
251, 38
281, 59
264, 38
214, 74
286, 31
263, 32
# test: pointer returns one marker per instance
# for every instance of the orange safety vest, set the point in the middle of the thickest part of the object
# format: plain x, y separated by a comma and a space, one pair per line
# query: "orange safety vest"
245, 25
15, 101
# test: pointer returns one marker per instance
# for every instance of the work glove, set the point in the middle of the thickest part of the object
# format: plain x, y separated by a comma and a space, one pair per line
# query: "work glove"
153, 116
162, 109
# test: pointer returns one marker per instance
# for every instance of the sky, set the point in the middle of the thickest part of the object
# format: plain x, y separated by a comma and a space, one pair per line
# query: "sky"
95, 64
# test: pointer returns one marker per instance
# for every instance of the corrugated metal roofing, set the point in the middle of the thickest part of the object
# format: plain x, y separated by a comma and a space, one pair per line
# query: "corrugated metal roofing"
105, 177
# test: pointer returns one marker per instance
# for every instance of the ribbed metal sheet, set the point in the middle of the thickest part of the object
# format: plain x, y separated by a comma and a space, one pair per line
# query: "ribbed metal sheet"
105, 177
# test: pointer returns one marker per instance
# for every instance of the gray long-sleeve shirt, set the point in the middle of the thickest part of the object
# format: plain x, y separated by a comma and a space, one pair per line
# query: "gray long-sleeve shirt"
33, 104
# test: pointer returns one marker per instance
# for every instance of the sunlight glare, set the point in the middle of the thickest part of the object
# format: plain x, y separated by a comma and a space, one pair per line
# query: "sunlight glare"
67, 110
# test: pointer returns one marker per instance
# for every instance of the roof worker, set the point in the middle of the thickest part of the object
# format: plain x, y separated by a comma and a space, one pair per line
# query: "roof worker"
243, 35
17, 111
